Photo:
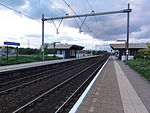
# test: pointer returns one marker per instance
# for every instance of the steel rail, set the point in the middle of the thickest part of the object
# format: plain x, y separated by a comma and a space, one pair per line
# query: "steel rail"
52, 89
63, 105
38, 79
28, 77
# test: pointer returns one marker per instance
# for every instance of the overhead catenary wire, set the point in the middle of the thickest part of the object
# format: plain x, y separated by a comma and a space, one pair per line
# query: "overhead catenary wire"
78, 17
90, 5
76, 22
72, 11
19, 12
66, 13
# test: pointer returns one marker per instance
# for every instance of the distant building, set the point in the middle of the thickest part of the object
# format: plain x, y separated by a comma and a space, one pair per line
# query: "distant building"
66, 50
133, 49
3, 51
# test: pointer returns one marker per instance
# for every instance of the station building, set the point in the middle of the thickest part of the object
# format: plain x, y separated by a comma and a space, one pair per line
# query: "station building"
133, 49
66, 50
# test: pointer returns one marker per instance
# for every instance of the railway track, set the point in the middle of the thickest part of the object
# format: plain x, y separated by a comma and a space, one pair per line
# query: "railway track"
8, 76
48, 93
36, 77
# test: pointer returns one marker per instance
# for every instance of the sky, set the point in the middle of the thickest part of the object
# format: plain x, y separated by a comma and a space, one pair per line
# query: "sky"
98, 31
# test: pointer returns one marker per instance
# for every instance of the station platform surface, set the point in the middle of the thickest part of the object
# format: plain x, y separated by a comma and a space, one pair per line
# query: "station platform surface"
34, 64
117, 89
28, 65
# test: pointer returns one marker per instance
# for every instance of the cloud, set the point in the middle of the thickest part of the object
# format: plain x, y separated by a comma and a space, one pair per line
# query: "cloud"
104, 28
36, 9
14, 3
38, 35
143, 33
113, 27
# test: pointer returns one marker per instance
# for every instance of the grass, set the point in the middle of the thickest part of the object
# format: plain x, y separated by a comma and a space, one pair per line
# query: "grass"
22, 59
142, 66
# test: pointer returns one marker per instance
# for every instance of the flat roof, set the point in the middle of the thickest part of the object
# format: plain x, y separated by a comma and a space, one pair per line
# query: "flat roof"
66, 46
131, 46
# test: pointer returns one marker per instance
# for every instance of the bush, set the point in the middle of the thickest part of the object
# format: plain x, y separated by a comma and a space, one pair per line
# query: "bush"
147, 58
142, 66
144, 54
23, 59
139, 56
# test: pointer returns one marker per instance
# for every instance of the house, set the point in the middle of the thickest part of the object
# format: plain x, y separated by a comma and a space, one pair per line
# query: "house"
66, 50
133, 49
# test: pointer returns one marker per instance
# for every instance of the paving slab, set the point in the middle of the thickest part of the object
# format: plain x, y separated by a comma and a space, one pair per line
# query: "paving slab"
130, 99
104, 95
139, 83
116, 91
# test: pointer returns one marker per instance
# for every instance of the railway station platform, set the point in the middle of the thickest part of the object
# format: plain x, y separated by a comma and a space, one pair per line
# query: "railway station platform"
34, 64
115, 89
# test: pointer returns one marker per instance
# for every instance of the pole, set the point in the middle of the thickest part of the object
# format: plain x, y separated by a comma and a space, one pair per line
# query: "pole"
7, 52
43, 37
127, 42
54, 49
17, 52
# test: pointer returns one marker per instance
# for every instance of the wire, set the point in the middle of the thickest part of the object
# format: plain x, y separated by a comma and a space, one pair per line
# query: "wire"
90, 5
91, 9
18, 12
78, 17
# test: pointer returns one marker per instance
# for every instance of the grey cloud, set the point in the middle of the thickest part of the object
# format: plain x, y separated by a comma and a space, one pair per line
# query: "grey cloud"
109, 27
38, 35
113, 27
13, 3
36, 9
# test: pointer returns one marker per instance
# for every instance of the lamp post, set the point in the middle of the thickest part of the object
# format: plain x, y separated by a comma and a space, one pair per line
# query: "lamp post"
127, 42
54, 47
42, 37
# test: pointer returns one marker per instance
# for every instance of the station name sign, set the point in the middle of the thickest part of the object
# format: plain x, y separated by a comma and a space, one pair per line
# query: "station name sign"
12, 43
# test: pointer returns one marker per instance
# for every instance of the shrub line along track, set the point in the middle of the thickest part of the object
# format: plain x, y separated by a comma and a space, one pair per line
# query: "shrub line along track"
67, 86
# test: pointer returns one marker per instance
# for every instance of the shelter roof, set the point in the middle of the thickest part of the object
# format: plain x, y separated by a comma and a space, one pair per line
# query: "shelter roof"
131, 46
66, 46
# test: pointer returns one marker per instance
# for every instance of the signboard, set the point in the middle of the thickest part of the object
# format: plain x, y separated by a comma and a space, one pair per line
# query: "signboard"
12, 43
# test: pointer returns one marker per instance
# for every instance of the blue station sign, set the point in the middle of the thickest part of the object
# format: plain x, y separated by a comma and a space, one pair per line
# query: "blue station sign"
12, 43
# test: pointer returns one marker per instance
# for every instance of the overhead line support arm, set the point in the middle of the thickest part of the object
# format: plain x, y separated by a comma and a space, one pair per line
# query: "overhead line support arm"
91, 14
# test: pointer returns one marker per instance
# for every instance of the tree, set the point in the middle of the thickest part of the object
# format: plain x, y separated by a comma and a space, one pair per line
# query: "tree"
28, 51
148, 44
46, 50
145, 52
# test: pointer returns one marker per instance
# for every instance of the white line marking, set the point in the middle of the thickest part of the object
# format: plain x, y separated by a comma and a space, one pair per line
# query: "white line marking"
75, 107
130, 99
